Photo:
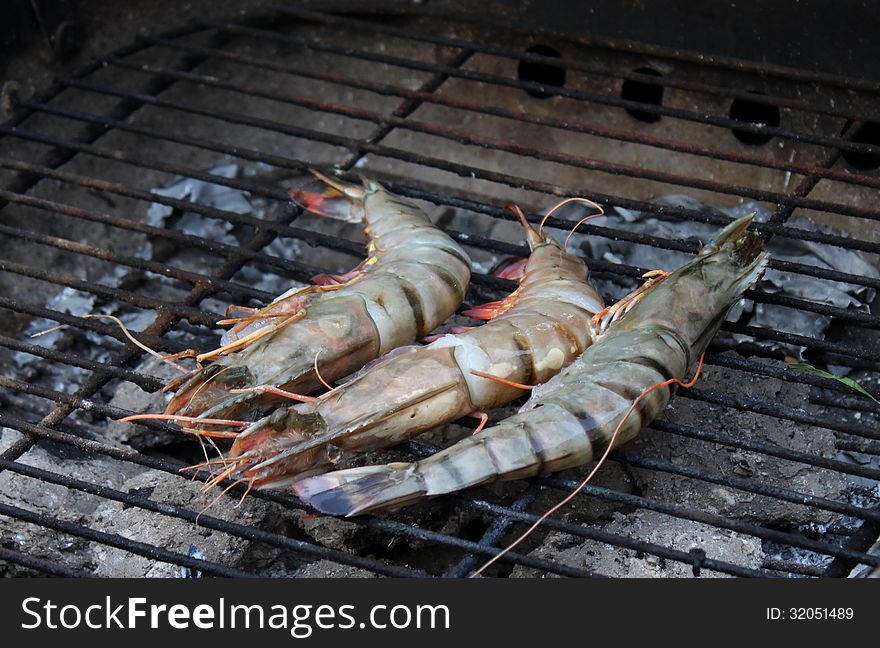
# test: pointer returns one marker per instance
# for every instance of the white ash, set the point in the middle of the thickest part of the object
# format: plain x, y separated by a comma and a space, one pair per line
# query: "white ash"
330, 569
67, 300
868, 571
725, 460
202, 193
798, 556
655, 528
75, 302
176, 534
128, 396
8, 437
57, 501
270, 282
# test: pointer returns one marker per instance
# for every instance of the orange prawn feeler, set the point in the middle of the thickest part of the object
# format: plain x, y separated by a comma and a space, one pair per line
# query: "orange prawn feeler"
580, 222
595, 469
277, 391
248, 339
482, 416
138, 343
190, 419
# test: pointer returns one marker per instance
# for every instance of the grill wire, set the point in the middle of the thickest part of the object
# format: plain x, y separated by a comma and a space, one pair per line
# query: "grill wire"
58, 130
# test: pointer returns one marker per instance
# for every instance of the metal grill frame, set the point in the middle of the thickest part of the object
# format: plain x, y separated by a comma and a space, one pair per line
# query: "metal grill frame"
54, 426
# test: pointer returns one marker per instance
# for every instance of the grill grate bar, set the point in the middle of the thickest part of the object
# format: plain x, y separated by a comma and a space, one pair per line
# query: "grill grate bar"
163, 322
173, 467
568, 63
304, 272
617, 234
776, 410
852, 446
612, 539
255, 534
231, 288
120, 542
719, 521
537, 563
741, 364
495, 533
865, 353
544, 155
403, 110
200, 519
769, 449
202, 287
792, 567
623, 235
860, 317
862, 539
620, 46
59, 156
748, 485
590, 490
154, 341
56, 158
41, 565
148, 383
568, 93
89, 405
194, 315
495, 111
396, 121
748, 404
675, 510
764, 448
294, 268
845, 406
337, 140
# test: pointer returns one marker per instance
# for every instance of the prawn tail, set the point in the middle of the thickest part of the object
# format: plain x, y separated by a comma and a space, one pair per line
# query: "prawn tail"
357, 491
332, 197
499, 453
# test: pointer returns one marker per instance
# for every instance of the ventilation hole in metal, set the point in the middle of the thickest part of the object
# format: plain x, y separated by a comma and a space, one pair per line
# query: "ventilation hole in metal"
758, 114
543, 73
867, 133
643, 92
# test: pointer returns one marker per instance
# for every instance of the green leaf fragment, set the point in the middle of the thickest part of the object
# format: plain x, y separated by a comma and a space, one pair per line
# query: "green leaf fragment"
804, 368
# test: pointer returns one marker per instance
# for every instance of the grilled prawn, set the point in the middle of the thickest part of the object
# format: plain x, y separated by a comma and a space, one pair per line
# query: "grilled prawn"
534, 333
611, 389
415, 277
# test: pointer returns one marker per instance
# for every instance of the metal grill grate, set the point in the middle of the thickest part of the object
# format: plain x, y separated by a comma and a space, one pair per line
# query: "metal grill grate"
443, 119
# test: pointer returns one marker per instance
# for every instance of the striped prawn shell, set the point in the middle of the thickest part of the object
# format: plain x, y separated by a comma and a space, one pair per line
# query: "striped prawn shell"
571, 419
545, 329
414, 279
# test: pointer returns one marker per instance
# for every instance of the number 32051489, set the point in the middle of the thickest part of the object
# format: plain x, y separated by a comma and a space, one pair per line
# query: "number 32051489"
820, 613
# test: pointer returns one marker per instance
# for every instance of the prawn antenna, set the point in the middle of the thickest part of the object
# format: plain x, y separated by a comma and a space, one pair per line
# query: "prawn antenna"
503, 381
586, 201
318, 372
137, 342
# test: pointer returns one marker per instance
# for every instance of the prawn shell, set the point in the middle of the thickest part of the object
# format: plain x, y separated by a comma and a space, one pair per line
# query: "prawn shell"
413, 279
